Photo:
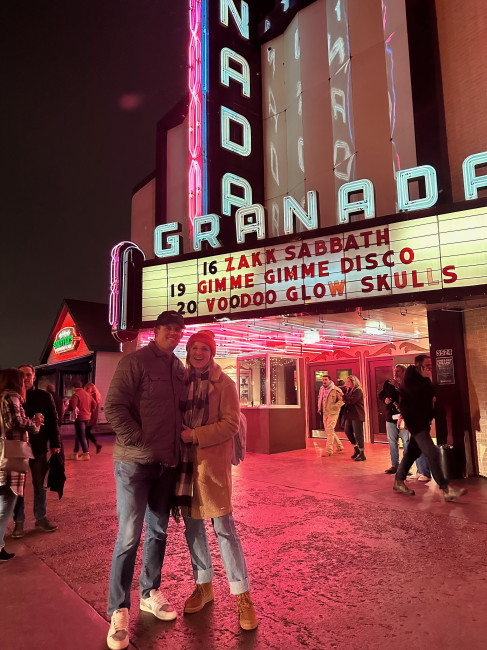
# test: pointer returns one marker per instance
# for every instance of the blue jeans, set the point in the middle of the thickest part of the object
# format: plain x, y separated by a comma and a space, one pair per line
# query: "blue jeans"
143, 492
80, 428
393, 434
38, 470
422, 466
230, 551
7, 503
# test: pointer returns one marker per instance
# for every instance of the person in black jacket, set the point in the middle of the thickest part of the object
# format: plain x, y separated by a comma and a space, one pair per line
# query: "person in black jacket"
416, 403
38, 401
354, 416
390, 396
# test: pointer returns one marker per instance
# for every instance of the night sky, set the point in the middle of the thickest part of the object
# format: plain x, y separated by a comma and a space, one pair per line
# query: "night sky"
84, 84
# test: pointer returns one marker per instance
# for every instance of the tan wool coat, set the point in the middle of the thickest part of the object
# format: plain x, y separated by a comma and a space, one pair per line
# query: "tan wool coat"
212, 467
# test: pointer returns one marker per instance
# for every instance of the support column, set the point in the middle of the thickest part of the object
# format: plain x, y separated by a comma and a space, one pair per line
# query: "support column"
447, 345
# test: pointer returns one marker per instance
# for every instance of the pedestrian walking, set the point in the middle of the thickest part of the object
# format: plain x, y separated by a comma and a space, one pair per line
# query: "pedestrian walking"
329, 406
82, 405
45, 443
416, 402
211, 419
142, 406
92, 390
354, 416
14, 425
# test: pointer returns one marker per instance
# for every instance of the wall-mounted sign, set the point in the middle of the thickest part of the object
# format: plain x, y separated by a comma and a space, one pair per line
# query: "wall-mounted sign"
445, 371
411, 256
66, 340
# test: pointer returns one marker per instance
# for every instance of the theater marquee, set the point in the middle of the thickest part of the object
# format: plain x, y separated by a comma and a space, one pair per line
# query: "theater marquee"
412, 256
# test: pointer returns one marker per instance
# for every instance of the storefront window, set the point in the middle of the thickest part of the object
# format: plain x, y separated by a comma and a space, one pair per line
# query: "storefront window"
283, 381
268, 381
253, 389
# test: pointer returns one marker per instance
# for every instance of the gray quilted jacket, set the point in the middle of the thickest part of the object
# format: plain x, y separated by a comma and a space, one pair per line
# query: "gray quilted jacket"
142, 406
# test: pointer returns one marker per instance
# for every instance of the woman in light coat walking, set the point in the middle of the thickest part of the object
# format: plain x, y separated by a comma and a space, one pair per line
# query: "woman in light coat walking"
204, 490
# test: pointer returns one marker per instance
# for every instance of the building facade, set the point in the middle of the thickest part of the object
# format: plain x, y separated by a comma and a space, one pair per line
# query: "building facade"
320, 202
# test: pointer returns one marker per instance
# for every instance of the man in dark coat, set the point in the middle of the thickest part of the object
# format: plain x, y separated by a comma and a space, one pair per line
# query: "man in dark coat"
38, 401
416, 403
142, 406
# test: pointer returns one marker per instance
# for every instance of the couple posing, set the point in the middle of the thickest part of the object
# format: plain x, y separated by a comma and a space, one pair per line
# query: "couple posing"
174, 432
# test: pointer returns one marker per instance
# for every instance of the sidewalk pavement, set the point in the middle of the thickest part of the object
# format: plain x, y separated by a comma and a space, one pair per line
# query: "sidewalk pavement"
336, 560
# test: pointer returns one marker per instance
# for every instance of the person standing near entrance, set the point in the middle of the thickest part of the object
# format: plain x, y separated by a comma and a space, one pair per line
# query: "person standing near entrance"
354, 416
142, 406
390, 396
38, 401
416, 402
329, 405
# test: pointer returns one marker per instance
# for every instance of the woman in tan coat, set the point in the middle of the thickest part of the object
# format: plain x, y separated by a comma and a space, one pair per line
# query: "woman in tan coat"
211, 419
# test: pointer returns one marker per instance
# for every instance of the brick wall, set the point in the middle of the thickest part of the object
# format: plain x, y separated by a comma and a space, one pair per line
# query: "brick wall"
476, 356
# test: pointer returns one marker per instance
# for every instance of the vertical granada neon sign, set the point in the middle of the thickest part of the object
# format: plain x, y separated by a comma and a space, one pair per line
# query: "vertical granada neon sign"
196, 111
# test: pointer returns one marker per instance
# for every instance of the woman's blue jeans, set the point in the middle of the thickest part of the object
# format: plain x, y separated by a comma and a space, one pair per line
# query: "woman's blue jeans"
230, 551
143, 493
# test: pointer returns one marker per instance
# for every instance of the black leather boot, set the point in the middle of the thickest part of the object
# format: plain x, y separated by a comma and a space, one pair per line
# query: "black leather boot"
355, 453
360, 455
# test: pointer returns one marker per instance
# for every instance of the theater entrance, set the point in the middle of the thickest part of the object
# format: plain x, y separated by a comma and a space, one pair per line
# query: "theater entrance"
338, 371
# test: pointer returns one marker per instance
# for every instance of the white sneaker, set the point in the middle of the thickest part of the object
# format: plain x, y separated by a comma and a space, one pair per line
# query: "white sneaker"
118, 634
423, 478
158, 605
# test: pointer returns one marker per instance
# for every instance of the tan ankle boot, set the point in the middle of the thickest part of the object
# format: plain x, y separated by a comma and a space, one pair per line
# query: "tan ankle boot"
400, 486
246, 611
202, 595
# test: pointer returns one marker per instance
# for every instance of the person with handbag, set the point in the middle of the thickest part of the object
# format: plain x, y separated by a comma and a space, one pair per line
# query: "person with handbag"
15, 426
390, 396
204, 487
46, 443
354, 416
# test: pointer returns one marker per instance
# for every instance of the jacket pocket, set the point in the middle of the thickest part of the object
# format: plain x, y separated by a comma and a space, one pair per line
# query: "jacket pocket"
160, 387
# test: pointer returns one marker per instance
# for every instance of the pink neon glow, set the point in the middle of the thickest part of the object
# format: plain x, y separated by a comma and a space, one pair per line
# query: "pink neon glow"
195, 175
114, 284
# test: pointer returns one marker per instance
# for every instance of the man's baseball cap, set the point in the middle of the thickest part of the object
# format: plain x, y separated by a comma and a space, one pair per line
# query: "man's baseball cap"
167, 317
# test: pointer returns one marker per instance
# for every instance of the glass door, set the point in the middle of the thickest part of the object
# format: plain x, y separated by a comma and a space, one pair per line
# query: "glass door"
338, 371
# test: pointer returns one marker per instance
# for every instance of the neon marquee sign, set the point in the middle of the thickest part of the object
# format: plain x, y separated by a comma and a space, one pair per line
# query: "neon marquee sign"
225, 117
66, 340
250, 219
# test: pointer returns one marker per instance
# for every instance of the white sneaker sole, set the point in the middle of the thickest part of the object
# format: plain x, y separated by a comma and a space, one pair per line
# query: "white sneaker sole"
162, 615
117, 645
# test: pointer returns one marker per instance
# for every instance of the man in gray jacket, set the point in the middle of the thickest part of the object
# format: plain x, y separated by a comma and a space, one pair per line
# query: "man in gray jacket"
142, 406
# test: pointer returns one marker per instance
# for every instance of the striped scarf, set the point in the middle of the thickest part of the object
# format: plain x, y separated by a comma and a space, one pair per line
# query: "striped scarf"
195, 414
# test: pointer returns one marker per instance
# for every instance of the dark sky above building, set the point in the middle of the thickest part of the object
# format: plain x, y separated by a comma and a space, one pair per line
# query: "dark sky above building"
84, 84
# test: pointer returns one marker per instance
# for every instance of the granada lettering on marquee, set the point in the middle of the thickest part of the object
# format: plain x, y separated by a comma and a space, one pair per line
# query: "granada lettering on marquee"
251, 219
421, 254
66, 340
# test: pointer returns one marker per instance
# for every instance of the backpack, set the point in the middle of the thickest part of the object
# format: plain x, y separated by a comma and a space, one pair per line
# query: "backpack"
240, 441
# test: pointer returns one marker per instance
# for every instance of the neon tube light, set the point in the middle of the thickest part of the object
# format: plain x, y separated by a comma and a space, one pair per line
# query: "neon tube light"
195, 135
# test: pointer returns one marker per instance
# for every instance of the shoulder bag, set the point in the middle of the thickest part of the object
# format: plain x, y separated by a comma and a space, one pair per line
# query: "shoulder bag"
14, 454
